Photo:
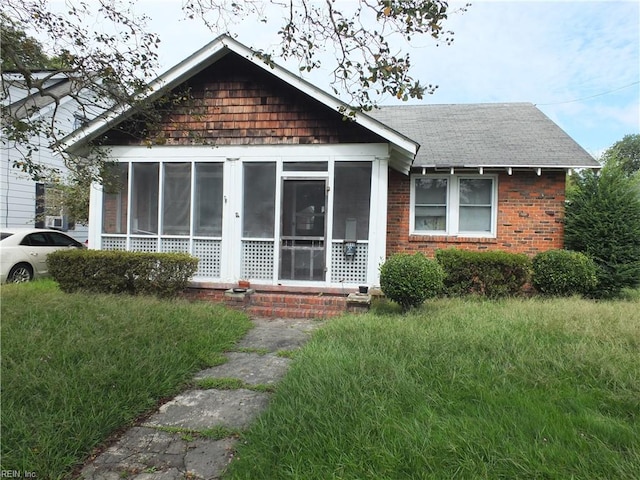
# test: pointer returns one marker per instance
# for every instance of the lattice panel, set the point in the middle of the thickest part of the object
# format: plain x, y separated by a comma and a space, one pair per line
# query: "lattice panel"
144, 244
257, 260
174, 245
114, 243
345, 270
208, 252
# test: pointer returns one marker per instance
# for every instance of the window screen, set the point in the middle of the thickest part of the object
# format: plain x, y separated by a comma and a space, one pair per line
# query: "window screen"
208, 199
351, 198
114, 202
259, 200
144, 205
176, 198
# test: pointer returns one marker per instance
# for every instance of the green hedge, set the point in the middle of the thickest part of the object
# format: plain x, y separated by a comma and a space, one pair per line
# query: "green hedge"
564, 273
136, 273
603, 221
410, 279
492, 274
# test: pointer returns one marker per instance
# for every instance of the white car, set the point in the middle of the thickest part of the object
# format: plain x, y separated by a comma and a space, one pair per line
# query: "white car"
23, 252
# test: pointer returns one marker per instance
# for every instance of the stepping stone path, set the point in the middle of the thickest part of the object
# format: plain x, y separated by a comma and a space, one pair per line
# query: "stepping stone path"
168, 446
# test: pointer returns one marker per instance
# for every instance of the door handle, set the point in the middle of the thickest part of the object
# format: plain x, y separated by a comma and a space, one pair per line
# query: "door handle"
33, 254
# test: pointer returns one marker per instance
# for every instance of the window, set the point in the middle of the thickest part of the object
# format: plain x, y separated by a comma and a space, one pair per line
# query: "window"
208, 199
259, 200
463, 205
431, 204
144, 202
50, 202
36, 240
305, 166
176, 199
114, 203
351, 199
62, 240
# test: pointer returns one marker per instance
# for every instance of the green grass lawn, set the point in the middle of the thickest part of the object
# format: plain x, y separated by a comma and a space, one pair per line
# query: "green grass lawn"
528, 389
76, 368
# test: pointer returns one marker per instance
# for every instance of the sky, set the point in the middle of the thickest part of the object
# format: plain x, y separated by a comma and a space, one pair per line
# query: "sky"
578, 61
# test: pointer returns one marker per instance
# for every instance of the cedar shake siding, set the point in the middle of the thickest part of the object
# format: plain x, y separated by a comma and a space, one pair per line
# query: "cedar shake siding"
530, 216
234, 102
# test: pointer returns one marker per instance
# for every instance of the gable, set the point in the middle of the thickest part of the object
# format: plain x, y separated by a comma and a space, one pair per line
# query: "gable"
402, 149
234, 102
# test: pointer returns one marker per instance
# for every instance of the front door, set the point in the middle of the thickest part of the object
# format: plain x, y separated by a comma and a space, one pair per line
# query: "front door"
303, 229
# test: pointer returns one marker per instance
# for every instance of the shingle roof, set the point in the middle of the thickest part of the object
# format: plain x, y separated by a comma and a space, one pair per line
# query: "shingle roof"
485, 135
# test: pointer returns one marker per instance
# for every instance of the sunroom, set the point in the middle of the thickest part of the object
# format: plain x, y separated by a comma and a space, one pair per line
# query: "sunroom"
303, 215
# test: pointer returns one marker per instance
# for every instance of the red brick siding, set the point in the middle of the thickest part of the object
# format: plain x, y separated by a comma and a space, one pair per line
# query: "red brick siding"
530, 216
237, 103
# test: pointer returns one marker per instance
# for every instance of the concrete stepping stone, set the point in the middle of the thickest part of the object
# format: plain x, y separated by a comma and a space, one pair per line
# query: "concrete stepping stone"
204, 409
146, 452
251, 368
149, 454
278, 334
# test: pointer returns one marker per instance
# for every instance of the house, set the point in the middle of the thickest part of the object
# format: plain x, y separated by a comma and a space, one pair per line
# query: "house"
262, 178
26, 202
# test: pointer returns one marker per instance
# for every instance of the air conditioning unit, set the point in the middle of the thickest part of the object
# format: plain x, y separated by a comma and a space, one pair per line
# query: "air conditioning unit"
58, 222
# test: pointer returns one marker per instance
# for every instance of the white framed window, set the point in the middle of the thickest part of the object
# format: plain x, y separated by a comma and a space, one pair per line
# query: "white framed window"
455, 205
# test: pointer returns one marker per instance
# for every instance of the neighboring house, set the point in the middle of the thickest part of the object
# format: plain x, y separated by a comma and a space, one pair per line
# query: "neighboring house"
263, 179
23, 201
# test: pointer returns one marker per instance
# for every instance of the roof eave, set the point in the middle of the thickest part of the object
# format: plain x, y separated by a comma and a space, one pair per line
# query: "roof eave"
501, 167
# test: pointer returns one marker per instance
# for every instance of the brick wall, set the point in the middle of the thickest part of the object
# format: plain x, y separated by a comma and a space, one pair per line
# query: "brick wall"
234, 102
276, 302
530, 216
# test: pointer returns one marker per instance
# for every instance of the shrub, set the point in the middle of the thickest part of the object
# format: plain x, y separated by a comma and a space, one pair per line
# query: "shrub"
492, 274
603, 221
100, 271
563, 273
410, 279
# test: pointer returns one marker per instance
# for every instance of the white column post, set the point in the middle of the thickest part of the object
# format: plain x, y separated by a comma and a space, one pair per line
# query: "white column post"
378, 219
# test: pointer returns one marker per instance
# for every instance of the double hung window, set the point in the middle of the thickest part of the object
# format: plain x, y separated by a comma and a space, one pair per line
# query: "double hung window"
456, 205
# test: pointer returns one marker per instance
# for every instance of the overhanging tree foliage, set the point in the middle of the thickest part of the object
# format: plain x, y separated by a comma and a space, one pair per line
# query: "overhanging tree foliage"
94, 68
110, 62
625, 153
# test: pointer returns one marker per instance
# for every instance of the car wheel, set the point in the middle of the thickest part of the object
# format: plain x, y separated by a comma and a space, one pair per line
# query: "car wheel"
20, 273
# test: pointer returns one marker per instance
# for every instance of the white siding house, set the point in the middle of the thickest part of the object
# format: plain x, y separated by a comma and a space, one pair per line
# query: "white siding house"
25, 202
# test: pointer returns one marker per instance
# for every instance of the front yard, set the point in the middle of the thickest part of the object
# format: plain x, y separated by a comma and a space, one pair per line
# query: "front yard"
77, 368
458, 389
461, 389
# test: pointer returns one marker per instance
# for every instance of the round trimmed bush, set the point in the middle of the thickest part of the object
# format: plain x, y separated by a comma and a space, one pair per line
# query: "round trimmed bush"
410, 279
564, 273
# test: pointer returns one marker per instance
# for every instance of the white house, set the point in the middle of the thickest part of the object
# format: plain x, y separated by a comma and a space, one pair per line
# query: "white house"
25, 202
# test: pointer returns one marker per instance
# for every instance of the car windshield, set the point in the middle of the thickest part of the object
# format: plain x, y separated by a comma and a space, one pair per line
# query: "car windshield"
4, 235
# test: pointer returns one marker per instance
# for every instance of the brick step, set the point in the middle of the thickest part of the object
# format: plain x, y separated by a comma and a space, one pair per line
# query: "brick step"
283, 304
296, 306
267, 312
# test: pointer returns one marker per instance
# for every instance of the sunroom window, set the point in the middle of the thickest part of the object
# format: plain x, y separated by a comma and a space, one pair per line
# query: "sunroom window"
208, 199
144, 202
463, 205
176, 199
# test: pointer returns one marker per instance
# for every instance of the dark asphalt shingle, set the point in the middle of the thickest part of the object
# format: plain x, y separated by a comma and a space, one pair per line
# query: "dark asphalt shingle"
474, 135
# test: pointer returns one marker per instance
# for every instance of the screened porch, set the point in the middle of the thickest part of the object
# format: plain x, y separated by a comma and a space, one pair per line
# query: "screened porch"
300, 219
